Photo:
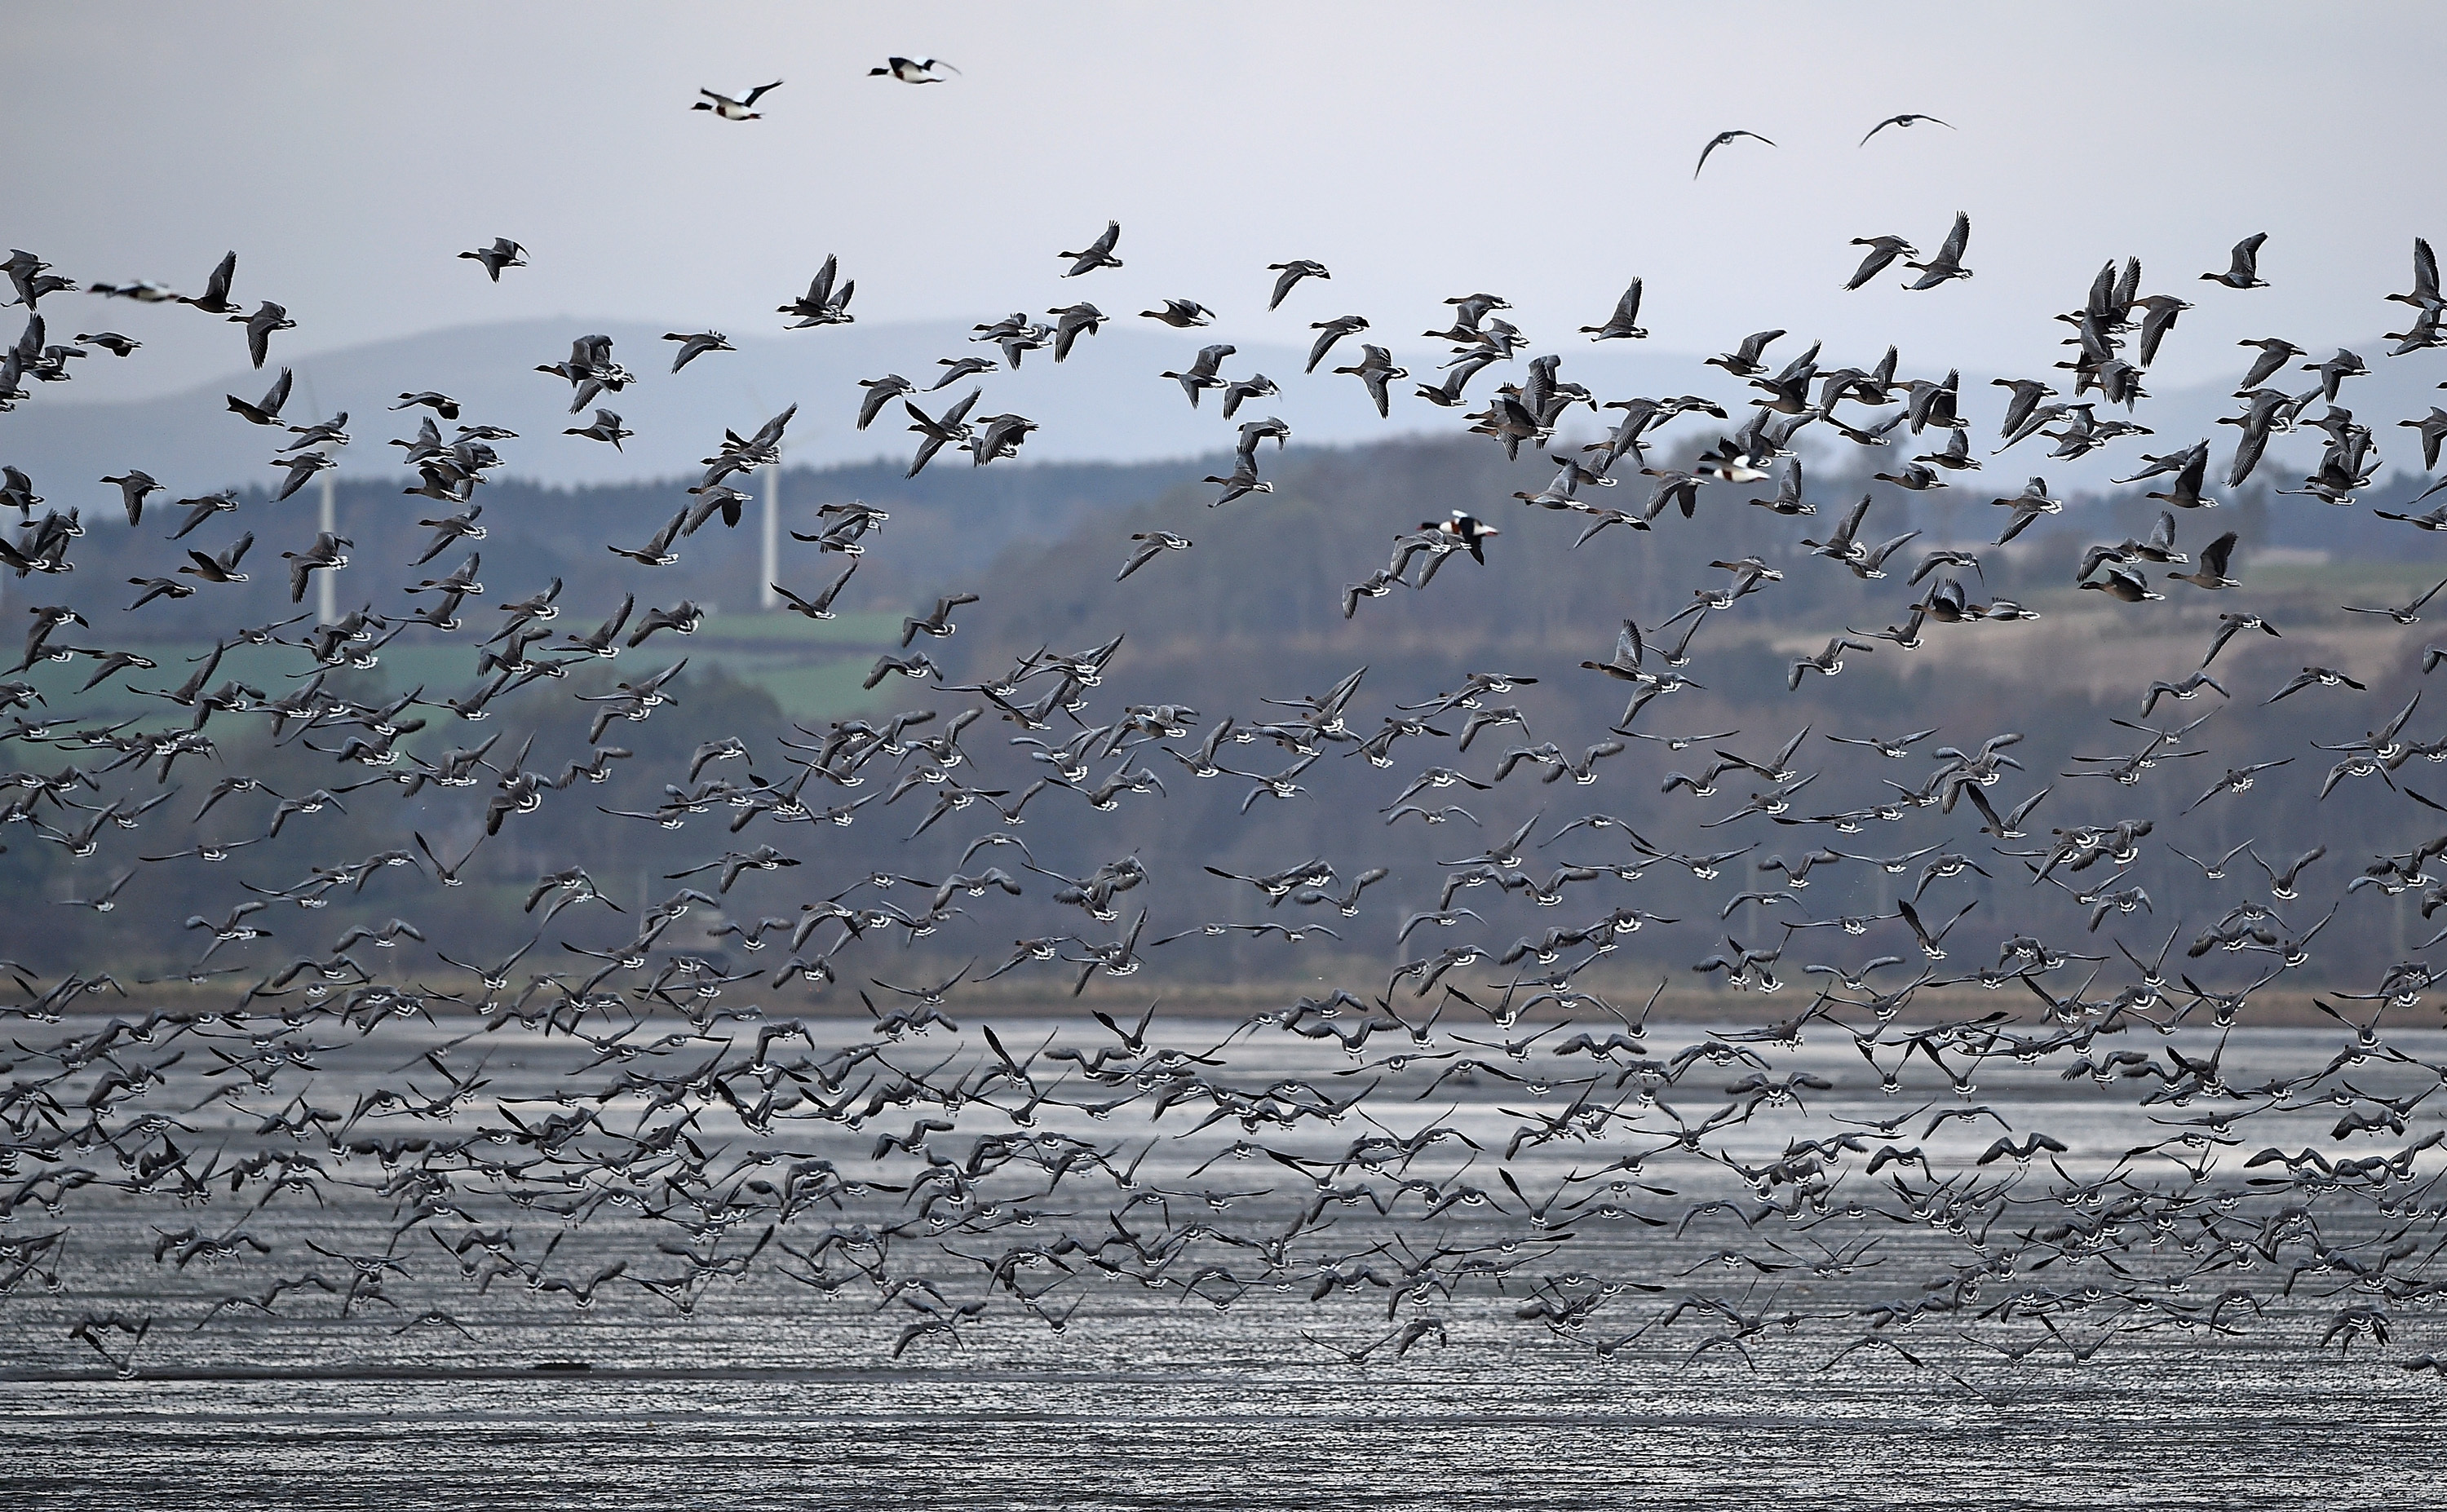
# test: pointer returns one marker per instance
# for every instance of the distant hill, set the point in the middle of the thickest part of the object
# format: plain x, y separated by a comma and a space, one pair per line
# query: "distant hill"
1252, 616
946, 527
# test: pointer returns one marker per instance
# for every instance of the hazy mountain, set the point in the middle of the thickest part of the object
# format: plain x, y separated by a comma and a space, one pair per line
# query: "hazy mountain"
1107, 403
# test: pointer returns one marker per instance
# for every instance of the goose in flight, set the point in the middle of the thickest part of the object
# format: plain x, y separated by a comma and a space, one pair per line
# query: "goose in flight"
1883, 251
1292, 273
1074, 321
268, 412
1906, 121
1181, 314
503, 254
693, 346
607, 426
821, 305
820, 607
1377, 371
1339, 327
2243, 271
2404, 614
1719, 139
1150, 545
134, 485
268, 317
1099, 252
215, 300
2212, 571
1948, 262
1624, 322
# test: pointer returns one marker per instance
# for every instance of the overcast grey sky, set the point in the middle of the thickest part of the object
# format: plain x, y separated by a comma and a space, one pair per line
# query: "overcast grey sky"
1542, 151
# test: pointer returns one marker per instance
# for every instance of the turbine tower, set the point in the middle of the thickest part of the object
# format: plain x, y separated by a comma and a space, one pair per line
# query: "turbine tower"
766, 596
324, 592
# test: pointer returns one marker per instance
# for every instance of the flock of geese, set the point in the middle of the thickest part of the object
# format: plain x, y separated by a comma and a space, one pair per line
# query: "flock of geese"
1621, 1182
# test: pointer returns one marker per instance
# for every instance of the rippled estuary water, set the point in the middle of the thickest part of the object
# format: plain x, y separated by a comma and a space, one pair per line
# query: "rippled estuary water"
771, 1390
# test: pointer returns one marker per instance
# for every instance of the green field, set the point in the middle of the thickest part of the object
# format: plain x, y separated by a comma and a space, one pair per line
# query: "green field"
787, 628
812, 670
